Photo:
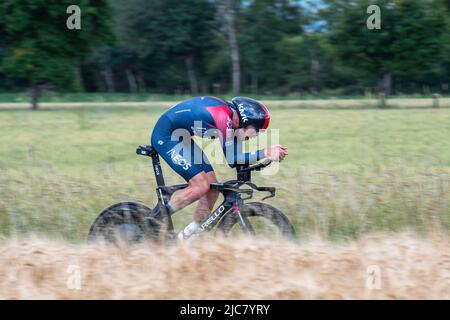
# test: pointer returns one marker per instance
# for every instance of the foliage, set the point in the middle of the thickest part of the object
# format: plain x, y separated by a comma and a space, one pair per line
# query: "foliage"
411, 41
40, 49
180, 47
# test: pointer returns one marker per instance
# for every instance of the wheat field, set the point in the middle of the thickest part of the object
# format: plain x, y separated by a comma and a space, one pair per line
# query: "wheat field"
374, 267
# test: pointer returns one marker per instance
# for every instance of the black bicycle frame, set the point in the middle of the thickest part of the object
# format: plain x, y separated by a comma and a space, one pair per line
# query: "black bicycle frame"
230, 189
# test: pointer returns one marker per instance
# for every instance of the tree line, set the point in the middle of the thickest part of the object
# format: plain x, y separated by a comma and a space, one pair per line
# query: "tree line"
263, 47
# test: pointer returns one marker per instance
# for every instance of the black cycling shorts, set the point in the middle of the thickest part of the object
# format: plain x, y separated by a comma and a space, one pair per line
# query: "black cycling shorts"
182, 154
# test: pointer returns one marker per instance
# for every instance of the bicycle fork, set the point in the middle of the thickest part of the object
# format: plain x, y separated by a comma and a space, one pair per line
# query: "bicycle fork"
232, 203
245, 224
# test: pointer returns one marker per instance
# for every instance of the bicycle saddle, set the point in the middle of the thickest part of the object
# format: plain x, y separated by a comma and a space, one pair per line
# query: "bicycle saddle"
146, 150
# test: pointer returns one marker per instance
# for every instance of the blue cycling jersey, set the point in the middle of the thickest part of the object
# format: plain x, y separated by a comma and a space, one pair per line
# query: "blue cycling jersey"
208, 117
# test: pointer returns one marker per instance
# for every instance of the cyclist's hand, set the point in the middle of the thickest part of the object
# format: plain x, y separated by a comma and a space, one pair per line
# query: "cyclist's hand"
276, 153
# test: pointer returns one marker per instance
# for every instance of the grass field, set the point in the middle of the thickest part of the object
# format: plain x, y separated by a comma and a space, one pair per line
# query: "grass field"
349, 172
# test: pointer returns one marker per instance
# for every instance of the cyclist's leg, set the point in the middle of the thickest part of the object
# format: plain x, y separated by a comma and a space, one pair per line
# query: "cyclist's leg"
198, 187
180, 157
206, 203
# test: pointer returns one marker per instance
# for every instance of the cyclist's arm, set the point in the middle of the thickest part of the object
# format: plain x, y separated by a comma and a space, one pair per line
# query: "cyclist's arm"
231, 146
232, 150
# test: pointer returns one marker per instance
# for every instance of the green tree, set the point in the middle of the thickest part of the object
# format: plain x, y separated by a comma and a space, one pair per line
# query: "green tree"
40, 49
262, 25
169, 33
410, 41
305, 63
226, 13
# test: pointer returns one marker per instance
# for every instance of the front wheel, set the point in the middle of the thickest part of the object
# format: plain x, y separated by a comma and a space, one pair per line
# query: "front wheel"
123, 222
264, 220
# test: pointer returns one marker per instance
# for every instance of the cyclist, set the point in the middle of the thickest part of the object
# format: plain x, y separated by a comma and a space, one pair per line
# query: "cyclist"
232, 122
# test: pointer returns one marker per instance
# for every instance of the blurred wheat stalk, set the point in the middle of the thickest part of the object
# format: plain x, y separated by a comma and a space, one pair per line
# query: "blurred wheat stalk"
374, 267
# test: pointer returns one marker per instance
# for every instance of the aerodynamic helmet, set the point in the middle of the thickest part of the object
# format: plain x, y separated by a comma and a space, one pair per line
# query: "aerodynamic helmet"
251, 112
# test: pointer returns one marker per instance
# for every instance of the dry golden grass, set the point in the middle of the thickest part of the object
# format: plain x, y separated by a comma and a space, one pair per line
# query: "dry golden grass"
409, 268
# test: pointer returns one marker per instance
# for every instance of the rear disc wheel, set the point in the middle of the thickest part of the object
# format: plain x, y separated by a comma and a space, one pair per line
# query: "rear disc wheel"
125, 222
